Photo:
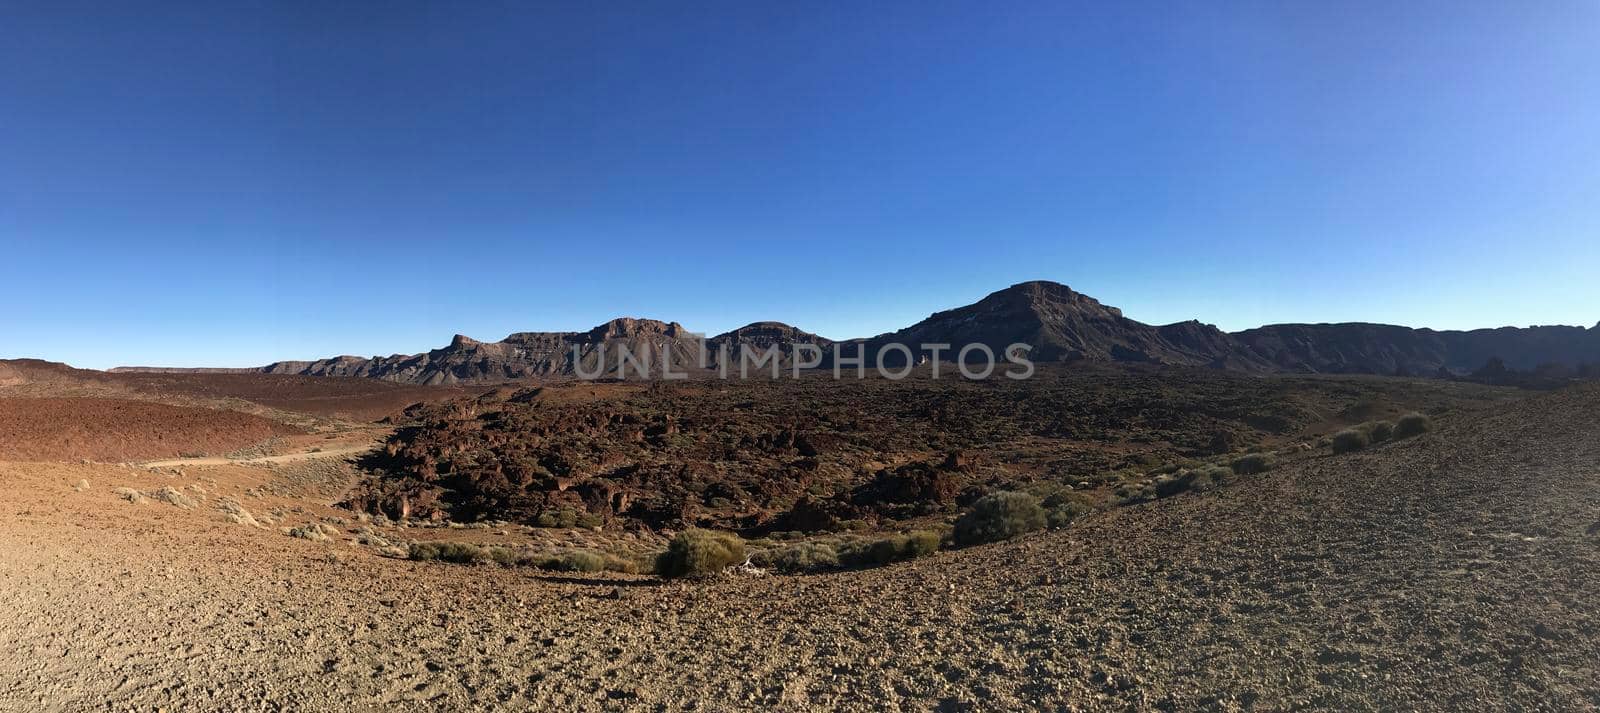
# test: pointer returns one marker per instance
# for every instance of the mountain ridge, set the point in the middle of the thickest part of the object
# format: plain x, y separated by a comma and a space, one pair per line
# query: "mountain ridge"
1059, 323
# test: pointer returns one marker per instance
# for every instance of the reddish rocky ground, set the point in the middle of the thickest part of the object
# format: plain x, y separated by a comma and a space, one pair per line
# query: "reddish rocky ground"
1452, 571
42, 429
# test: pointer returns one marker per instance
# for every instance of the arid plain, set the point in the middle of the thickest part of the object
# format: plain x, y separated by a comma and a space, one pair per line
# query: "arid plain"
191, 542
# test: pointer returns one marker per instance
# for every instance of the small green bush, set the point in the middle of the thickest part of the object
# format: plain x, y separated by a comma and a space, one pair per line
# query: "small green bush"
1063, 514
697, 552
1349, 440
886, 550
581, 561
1252, 463
922, 542
458, 552
799, 557
1380, 431
568, 518
999, 516
1412, 424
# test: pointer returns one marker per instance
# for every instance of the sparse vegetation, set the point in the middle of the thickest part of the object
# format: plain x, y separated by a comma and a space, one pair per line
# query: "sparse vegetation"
1379, 431
696, 552
799, 557
569, 518
581, 561
316, 532
886, 550
236, 514
457, 552
130, 495
1349, 441
1412, 424
172, 496
1063, 514
1252, 463
999, 516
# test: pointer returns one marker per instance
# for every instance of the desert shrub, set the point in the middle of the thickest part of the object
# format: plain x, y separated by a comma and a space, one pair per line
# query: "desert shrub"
697, 552
1252, 463
504, 556
1129, 493
1412, 424
1064, 513
1167, 486
894, 548
1218, 474
626, 565
568, 518
315, 531
799, 557
1380, 431
458, 552
922, 542
581, 561
130, 495
172, 496
1349, 440
999, 516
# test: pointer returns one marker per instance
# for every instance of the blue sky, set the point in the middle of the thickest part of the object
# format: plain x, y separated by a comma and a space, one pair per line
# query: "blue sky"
228, 184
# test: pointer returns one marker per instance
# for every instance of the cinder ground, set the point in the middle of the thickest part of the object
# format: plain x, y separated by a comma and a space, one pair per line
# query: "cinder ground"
1454, 571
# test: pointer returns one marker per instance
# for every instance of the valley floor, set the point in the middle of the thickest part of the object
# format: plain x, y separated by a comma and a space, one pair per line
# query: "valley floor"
1454, 571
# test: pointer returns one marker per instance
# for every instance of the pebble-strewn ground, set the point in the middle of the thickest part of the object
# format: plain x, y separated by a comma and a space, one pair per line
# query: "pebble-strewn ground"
1454, 571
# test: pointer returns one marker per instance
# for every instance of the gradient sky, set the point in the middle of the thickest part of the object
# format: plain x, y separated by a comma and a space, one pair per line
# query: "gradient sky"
228, 184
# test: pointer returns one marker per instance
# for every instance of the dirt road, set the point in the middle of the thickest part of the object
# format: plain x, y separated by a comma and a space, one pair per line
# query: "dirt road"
285, 458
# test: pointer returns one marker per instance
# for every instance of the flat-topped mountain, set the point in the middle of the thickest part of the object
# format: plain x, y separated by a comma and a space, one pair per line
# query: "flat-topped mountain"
524, 355
1061, 325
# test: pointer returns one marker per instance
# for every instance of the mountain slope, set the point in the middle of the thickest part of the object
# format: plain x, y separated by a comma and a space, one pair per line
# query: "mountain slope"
1064, 325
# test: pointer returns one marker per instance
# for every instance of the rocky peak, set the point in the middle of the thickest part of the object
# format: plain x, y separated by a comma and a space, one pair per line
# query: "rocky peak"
623, 327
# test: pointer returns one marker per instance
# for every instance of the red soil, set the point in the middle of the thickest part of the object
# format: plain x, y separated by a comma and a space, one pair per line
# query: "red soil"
328, 396
55, 429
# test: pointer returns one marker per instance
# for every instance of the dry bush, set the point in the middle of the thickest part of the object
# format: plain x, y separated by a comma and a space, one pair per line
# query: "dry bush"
1379, 431
885, 550
235, 513
1349, 440
315, 531
582, 561
999, 516
172, 496
1412, 424
457, 552
695, 552
799, 557
1252, 463
1064, 513
130, 495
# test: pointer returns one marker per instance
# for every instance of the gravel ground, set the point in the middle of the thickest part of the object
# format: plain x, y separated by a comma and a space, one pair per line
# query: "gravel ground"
1454, 571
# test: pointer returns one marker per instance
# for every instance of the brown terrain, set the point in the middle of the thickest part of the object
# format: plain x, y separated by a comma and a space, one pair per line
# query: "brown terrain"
33, 429
1448, 570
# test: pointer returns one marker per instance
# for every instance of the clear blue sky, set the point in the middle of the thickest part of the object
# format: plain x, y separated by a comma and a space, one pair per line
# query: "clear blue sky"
228, 184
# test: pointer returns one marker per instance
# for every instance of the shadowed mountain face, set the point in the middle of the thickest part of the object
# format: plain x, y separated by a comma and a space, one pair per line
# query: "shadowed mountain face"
1060, 325
595, 353
1063, 325
1360, 348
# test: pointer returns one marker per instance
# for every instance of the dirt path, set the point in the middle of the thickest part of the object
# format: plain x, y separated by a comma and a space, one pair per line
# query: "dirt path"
1453, 571
285, 458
